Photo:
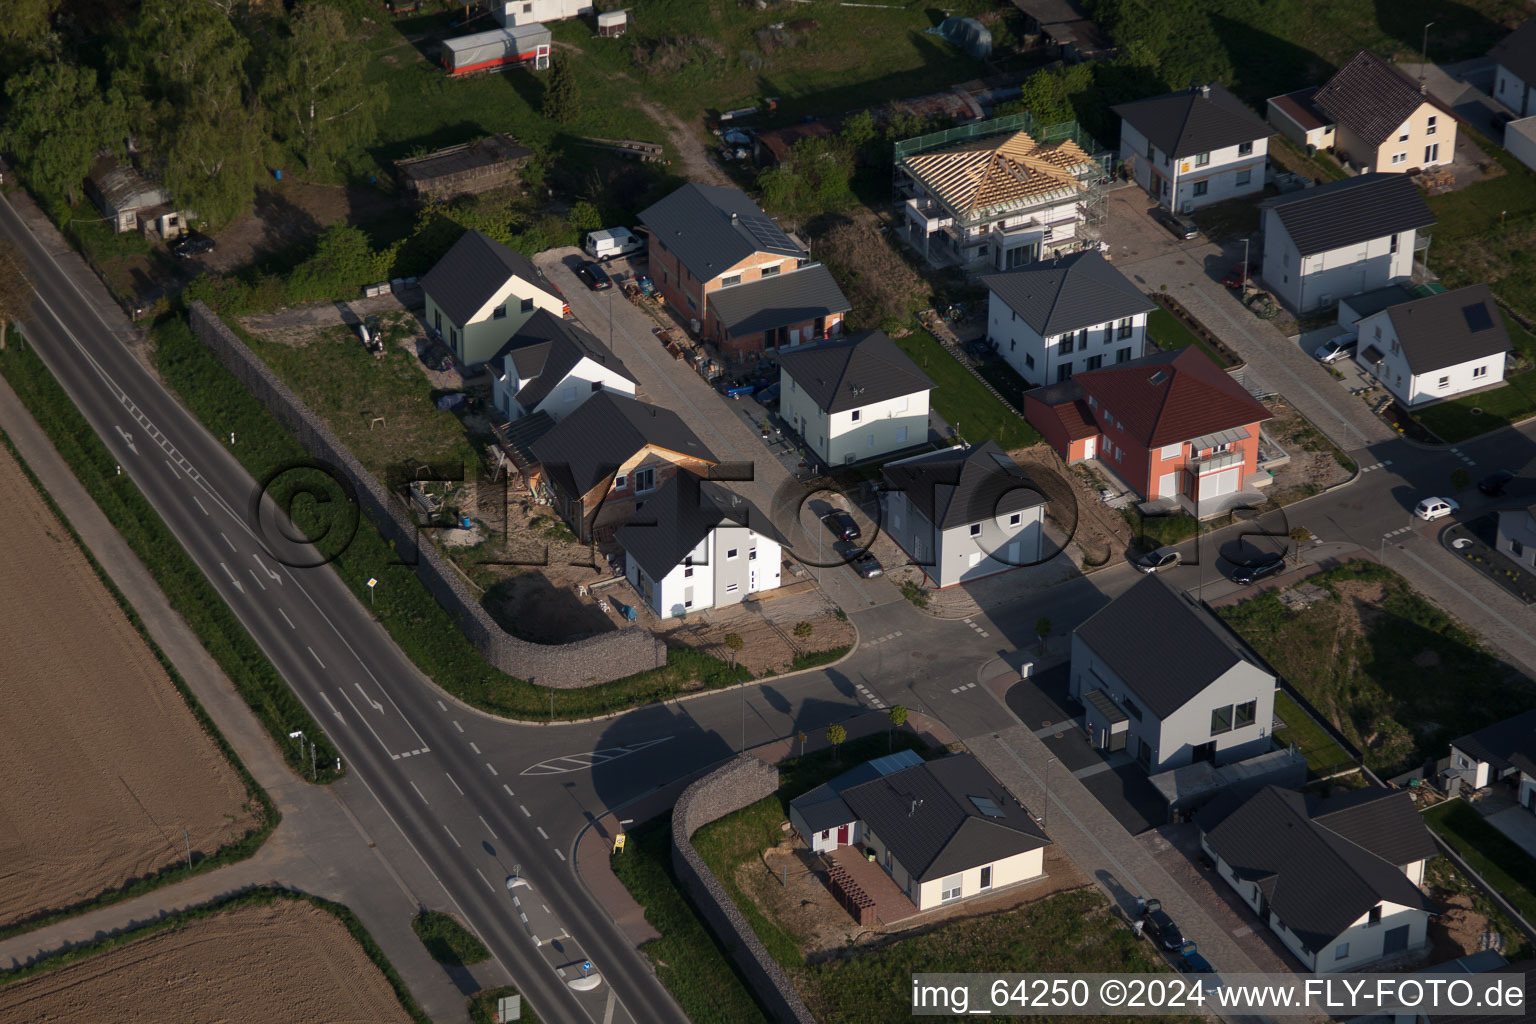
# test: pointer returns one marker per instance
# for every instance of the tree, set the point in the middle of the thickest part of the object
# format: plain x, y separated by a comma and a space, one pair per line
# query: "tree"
321, 107
1042, 630
836, 734
562, 93
60, 118
859, 129
735, 643
898, 716
15, 289
584, 216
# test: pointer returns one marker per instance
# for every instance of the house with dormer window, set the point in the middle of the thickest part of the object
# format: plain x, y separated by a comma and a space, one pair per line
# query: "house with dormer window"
1194, 147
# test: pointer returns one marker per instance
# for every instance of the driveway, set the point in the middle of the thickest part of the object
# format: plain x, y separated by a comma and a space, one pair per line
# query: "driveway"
671, 384
1463, 87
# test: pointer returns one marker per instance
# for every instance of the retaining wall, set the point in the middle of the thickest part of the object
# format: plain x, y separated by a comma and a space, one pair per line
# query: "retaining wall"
731, 787
597, 659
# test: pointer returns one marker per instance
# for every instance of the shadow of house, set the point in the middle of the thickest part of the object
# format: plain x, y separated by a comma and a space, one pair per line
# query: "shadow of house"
1265, 65
1459, 32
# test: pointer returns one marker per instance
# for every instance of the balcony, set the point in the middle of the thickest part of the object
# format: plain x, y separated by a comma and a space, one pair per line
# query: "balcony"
928, 215
1216, 461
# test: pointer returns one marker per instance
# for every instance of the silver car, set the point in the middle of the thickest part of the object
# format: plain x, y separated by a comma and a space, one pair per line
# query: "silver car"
1334, 349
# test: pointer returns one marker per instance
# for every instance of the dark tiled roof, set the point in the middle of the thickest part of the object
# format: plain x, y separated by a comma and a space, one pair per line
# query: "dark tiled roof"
1370, 97
518, 436
1163, 646
1351, 210
787, 298
680, 515
548, 347
1449, 328
926, 816
1299, 107
854, 372
1318, 880
1384, 822
1379, 299
711, 229
594, 441
823, 807
1069, 293
1517, 52
1504, 745
474, 270
1170, 397
1188, 122
959, 486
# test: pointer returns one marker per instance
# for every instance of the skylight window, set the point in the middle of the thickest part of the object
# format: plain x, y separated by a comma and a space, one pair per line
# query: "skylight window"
1157, 378
986, 806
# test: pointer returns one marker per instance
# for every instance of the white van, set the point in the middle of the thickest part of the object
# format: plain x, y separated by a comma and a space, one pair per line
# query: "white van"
611, 242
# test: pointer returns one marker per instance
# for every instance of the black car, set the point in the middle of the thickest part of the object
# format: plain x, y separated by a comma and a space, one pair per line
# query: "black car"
1265, 565
842, 525
595, 276
1160, 926
1494, 483
191, 244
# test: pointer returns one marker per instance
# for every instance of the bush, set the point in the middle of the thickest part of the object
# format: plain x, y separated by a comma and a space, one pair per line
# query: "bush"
448, 941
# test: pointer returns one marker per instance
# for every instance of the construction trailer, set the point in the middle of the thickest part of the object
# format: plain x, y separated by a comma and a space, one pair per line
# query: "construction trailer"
612, 24
523, 45
527, 12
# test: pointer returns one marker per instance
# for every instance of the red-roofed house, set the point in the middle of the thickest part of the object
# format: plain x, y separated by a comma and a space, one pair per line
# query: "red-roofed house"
1173, 426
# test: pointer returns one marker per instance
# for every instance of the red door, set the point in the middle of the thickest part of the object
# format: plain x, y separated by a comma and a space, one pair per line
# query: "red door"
842, 835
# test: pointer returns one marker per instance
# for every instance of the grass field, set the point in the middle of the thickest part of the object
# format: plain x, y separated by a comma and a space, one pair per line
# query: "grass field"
482, 1006
1391, 672
1486, 232
1500, 860
972, 411
1323, 753
1454, 421
1165, 329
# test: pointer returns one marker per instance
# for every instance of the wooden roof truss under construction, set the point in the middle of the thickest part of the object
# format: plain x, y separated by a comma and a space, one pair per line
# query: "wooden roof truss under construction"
982, 180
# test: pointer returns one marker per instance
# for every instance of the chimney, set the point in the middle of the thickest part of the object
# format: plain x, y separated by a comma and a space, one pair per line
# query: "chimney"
1205, 91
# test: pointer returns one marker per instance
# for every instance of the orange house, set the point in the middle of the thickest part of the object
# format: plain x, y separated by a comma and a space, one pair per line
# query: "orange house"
723, 263
1173, 426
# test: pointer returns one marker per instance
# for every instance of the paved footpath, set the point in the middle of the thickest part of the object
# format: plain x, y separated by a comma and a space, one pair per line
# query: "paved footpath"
318, 848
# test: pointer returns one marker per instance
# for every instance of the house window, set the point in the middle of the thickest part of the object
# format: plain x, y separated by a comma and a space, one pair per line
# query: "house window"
1375, 917
691, 304
1123, 355
1443, 382
1399, 158
826, 833
1063, 373
950, 890
1202, 159
1393, 247
1066, 344
645, 479
1246, 712
975, 529
726, 282
1123, 328
771, 271
1432, 153
986, 877
1479, 371
855, 415
1396, 347
1245, 149
1244, 176
500, 312
1378, 332
1341, 951
688, 572
1029, 361
1016, 519
1082, 338
1403, 135
1429, 125
437, 320
526, 306
1094, 362
1221, 720
1516, 548
1131, 708
1202, 187
618, 481
733, 552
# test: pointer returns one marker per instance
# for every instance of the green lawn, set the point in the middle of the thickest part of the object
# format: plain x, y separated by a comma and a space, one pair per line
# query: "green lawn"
1487, 231
1454, 421
1322, 752
963, 401
1389, 670
1501, 861
448, 941
1169, 333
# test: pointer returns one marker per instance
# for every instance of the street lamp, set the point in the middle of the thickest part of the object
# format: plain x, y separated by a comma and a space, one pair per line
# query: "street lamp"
1242, 292
1424, 56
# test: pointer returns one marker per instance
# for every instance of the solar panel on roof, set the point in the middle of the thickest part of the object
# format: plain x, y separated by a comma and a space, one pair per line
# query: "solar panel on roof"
768, 234
1477, 317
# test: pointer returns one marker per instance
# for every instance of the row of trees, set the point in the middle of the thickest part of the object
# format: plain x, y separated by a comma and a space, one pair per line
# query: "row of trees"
182, 81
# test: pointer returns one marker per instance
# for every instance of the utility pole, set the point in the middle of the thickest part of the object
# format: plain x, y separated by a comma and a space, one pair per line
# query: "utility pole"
188, 837
1244, 290
1045, 809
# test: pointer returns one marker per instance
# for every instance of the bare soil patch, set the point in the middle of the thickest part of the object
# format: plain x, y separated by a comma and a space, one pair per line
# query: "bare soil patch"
1100, 532
1313, 467
103, 761
293, 211
1457, 930
285, 962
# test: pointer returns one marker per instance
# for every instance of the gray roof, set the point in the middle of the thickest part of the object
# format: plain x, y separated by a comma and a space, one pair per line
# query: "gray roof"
546, 348
1370, 97
823, 808
959, 486
1163, 646
592, 443
1193, 121
122, 188
711, 229
1504, 745
1321, 864
1449, 328
854, 372
1351, 210
1517, 51
474, 270
927, 817
1379, 299
790, 297
1068, 293
677, 517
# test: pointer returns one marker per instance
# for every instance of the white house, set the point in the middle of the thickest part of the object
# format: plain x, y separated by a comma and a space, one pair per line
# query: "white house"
1438, 347
821, 817
964, 513
551, 365
1164, 681
1517, 535
695, 545
854, 399
1337, 880
1514, 69
1074, 313
1343, 238
1195, 147
1520, 140
480, 293
511, 13
1502, 752
946, 830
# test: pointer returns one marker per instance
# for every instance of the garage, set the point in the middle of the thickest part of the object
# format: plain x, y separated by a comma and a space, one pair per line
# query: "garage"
1224, 482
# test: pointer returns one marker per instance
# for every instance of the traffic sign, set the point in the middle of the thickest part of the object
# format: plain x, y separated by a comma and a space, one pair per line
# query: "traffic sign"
618, 842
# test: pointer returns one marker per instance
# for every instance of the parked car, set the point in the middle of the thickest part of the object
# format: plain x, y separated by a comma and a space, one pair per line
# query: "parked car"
1191, 961
1494, 483
1235, 278
1160, 926
1162, 558
1181, 226
1334, 349
769, 396
596, 277
191, 244
842, 525
1431, 509
1267, 565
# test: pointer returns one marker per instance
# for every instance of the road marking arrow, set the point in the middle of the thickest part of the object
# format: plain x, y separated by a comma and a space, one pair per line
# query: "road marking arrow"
127, 439
376, 705
270, 574
238, 585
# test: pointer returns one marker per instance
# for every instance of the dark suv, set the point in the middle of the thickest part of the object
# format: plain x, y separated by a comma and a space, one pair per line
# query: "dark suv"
1160, 926
192, 244
842, 525
1265, 565
595, 276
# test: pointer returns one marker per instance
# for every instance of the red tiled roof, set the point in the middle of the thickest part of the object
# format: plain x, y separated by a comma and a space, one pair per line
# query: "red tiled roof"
1191, 397
1298, 107
1075, 419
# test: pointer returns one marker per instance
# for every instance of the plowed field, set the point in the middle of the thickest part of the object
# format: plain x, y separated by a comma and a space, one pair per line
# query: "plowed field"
103, 762
288, 962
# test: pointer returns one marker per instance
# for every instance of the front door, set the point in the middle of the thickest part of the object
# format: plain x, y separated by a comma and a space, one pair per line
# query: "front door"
1395, 940
1205, 752
1090, 447
842, 835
